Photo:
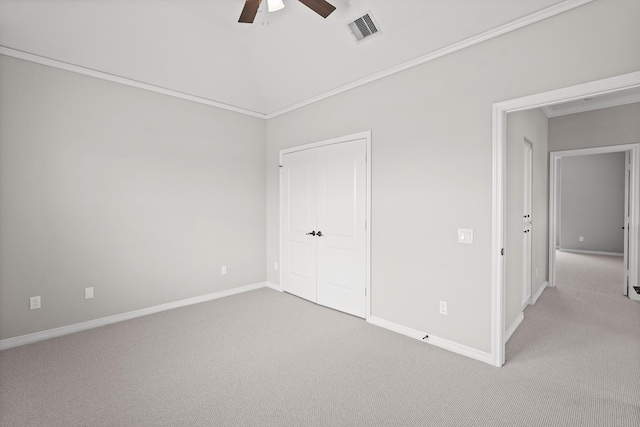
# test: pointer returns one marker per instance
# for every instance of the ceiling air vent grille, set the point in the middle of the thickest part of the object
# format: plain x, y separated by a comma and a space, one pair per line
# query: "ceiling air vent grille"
363, 27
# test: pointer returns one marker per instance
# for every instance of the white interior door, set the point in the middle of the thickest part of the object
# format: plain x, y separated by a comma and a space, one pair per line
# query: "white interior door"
299, 224
631, 205
324, 225
527, 222
625, 226
341, 226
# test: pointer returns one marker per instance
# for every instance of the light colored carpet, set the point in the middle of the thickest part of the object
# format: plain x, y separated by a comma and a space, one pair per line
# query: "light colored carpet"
269, 359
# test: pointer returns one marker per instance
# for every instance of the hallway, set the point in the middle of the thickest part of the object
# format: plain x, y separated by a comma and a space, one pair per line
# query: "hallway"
602, 274
585, 332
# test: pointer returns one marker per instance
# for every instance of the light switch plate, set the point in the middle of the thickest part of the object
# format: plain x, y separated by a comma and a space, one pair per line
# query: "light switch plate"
88, 293
465, 235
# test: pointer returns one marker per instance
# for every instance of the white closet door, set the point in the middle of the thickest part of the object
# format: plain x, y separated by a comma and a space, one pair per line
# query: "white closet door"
341, 220
299, 219
324, 230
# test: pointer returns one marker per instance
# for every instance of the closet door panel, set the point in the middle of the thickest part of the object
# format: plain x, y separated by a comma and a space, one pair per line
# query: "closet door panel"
299, 221
341, 214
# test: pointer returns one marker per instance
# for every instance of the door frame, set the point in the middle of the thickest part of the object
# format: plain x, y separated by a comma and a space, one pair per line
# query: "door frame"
499, 144
366, 135
554, 156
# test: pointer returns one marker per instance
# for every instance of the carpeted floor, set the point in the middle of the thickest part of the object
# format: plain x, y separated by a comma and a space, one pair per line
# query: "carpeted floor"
269, 359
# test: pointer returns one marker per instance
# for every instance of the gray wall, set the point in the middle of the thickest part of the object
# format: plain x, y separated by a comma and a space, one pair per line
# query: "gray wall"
432, 158
140, 195
592, 202
187, 181
532, 125
607, 126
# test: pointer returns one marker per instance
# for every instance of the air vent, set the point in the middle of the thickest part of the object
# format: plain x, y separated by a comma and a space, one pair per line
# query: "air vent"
363, 27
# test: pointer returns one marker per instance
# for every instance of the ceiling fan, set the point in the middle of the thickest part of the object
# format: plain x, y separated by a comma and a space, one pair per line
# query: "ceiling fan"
321, 7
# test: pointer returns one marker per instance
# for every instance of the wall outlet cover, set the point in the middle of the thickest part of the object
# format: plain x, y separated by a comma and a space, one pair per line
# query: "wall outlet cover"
465, 235
443, 307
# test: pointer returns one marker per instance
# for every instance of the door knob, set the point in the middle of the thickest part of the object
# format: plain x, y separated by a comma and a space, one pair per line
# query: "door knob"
319, 233
313, 233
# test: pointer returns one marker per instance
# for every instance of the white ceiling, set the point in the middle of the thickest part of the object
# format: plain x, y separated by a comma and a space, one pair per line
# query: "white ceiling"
197, 47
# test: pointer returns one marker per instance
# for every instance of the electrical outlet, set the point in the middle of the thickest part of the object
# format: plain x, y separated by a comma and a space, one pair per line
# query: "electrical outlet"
88, 293
275, 265
34, 303
581, 239
223, 270
443, 307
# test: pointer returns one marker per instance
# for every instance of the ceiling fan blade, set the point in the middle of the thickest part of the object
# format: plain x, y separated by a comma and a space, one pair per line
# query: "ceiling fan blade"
249, 11
320, 7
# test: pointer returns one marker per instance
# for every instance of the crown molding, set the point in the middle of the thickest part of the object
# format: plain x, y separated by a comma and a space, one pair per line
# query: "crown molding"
487, 35
122, 80
479, 38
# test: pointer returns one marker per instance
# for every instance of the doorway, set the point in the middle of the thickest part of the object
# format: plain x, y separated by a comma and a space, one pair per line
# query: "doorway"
325, 232
500, 111
626, 205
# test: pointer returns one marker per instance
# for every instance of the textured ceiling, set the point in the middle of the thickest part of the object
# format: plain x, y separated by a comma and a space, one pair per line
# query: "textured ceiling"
197, 47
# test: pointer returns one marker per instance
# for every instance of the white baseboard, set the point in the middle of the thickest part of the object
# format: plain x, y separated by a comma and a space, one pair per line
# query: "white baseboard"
534, 299
274, 286
83, 326
438, 342
580, 251
513, 327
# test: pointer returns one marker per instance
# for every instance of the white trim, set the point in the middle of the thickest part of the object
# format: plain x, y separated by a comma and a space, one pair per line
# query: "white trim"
534, 299
497, 241
554, 158
103, 321
122, 80
591, 105
553, 223
368, 227
433, 340
479, 38
360, 135
581, 251
594, 150
274, 286
500, 111
513, 327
